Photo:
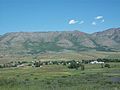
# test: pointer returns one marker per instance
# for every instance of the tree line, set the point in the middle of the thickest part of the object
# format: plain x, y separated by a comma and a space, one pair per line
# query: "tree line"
71, 64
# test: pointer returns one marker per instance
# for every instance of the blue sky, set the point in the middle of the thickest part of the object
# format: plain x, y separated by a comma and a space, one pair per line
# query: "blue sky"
58, 15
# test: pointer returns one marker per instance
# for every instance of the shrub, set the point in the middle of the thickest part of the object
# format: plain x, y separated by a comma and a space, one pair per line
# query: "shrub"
1, 66
37, 64
107, 65
73, 65
35, 78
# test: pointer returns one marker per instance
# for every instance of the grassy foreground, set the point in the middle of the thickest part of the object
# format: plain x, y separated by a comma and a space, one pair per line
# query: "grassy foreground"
59, 77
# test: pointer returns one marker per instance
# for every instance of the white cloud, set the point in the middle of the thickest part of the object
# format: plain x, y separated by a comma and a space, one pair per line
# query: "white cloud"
73, 22
99, 17
93, 23
81, 22
103, 21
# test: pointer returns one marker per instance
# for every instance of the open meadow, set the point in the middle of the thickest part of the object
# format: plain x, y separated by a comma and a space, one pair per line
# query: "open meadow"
60, 77
90, 55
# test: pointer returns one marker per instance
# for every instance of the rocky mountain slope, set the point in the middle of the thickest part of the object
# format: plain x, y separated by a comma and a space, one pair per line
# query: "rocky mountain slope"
40, 42
108, 39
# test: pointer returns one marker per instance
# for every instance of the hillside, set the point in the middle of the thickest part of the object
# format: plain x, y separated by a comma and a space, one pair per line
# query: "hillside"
62, 41
108, 39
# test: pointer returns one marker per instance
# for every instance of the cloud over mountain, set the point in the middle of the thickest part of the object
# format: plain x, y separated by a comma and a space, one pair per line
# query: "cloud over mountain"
73, 21
98, 17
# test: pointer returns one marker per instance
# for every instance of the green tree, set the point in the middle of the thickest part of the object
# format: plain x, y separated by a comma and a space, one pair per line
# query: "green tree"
107, 65
74, 65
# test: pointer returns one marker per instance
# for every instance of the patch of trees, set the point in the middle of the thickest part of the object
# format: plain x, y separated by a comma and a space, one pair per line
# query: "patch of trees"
105, 65
38, 64
73, 65
108, 60
12, 64
101, 60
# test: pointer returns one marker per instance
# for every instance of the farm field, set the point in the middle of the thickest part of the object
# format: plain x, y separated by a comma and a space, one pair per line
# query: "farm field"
59, 77
90, 55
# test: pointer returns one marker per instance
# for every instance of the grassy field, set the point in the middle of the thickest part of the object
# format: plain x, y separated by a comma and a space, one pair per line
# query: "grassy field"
59, 77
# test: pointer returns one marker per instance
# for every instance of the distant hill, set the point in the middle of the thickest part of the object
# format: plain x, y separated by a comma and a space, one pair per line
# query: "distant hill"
59, 41
108, 40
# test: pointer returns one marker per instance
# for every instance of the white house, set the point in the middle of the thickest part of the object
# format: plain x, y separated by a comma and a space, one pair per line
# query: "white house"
96, 62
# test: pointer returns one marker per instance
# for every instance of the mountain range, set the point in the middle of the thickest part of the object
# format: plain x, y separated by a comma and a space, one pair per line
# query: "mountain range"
59, 41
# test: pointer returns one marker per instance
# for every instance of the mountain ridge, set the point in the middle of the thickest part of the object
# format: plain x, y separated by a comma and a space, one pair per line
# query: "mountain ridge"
41, 42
